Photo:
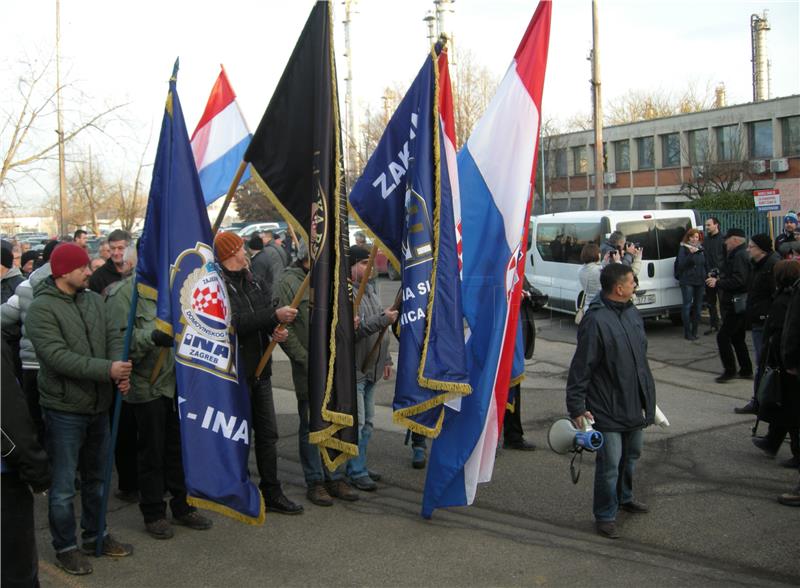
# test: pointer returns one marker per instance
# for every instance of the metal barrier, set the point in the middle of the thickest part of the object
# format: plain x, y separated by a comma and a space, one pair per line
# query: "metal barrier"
751, 222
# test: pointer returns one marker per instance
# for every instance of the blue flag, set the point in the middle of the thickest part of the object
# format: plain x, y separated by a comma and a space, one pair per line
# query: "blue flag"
405, 199
176, 264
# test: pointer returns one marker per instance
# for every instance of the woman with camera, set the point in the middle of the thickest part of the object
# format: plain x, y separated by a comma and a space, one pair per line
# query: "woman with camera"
690, 271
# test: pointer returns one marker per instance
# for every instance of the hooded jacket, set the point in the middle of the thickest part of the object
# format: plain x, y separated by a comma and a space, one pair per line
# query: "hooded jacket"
104, 276
9, 283
16, 309
762, 288
75, 345
609, 374
296, 345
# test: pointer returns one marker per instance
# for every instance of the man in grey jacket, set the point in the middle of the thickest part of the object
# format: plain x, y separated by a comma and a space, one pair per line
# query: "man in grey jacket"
611, 386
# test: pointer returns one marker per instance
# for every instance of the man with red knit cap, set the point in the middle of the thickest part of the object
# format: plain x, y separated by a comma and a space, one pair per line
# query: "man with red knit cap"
78, 367
256, 320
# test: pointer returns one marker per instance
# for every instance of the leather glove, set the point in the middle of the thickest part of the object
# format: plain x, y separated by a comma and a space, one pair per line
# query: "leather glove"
161, 339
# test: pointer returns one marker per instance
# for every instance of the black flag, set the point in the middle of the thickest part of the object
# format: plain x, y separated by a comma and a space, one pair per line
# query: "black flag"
296, 156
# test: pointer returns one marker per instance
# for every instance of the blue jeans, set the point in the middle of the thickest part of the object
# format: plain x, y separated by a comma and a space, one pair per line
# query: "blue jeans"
692, 303
613, 474
311, 460
75, 442
357, 467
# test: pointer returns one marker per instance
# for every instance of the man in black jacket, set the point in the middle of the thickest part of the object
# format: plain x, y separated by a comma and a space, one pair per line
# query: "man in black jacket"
610, 385
715, 258
789, 230
114, 268
732, 285
25, 470
256, 320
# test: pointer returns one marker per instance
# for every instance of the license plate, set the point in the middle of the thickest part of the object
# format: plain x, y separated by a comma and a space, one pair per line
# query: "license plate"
644, 299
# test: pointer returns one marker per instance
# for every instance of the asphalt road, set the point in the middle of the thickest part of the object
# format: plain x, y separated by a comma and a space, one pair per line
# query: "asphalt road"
714, 520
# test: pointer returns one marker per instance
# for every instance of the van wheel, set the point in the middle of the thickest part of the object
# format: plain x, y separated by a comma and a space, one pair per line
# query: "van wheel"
675, 318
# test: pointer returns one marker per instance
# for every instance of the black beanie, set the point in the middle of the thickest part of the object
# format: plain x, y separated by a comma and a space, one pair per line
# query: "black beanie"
763, 242
7, 257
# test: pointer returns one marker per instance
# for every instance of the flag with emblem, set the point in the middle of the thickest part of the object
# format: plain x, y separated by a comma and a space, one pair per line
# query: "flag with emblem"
176, 267
496, 168
296, 159
405, 199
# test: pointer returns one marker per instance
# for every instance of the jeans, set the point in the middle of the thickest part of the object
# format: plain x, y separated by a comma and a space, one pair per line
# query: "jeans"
613, 475
730, 338
310, 458
357, 466
160, 465
691, 308
265, 426
75, 441
125, 449
20, 567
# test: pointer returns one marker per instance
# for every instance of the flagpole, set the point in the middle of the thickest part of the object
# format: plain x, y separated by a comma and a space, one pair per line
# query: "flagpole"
229, 197
294, 304
365, 278
377, 345
126, 348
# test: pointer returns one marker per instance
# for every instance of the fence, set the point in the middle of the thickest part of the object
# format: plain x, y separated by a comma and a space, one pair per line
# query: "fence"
751, 222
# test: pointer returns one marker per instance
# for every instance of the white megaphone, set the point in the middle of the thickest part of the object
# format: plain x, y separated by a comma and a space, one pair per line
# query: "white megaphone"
564, 437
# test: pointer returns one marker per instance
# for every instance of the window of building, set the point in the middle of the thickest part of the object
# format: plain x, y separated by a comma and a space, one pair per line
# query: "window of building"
645, 150
760, 136
605, 157
790, 129
698, 146
561, 163
670, 150
622, 155
728, 144
580, 165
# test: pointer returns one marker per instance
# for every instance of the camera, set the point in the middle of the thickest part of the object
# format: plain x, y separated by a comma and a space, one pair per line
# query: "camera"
714, 273
635, 244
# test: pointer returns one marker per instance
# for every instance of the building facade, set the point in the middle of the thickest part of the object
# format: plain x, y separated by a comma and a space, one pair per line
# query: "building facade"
664, 162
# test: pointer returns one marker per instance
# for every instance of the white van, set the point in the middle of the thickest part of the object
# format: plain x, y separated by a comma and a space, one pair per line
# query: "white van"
554, 250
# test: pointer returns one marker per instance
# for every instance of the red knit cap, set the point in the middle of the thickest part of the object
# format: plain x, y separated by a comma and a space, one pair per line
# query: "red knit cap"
226, 244
67, 257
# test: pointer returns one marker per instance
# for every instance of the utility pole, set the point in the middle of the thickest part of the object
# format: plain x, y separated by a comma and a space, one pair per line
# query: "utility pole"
352, 143
597, 111
62, 178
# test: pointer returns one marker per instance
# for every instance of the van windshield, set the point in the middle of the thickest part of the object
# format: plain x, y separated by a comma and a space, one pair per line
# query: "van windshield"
660, 238
562, 241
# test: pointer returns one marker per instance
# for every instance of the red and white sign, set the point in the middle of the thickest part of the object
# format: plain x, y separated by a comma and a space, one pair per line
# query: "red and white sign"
767, 199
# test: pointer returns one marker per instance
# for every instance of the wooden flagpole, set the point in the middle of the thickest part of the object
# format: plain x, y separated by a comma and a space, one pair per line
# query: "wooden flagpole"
298, 297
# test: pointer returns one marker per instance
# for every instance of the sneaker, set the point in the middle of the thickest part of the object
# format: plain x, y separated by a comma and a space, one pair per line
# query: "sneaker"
634, 507
419, 459
129, 496
111, 547
607, 529
725, 377
764, 445
376, 477
745, 375
74, 562
364, 483
317, 494
282, 505
193, 520
160, 529
750, 408
341, 490
520, 445
790, 498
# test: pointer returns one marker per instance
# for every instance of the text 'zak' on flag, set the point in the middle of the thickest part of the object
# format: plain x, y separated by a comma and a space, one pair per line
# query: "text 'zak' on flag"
176, 267
405, 199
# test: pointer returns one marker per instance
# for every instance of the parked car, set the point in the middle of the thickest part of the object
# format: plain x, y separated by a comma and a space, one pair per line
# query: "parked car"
247, 230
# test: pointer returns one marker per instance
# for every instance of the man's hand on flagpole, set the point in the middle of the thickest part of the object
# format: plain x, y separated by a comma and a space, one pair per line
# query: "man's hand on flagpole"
286, 314
124, 386
356, 322
387, 372
279, 335
120, 370
391, 314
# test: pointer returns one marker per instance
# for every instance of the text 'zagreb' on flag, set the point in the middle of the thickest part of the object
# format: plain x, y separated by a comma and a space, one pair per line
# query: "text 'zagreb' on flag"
296, 157
220, 141
496, 168
176, 267
405, 199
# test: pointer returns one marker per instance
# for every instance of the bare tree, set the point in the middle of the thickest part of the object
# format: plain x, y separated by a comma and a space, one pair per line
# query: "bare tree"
473, 89
252, 204
638, 105
719, 164
88, 193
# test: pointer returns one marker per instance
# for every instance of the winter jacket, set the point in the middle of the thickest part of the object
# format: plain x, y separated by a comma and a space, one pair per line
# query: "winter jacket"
762, 288
691, 267
143, 352
296, 346
784, 238
9, 283
277, 258
609, 374
735, 277
75, 345
788, 413
23, 456
16, 309
253, 317
714, 247
372, 321
589, 277
260, 266
790, 341
104, 276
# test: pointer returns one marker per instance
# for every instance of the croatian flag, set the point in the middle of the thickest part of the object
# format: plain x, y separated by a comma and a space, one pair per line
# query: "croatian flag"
220, 140
496, 169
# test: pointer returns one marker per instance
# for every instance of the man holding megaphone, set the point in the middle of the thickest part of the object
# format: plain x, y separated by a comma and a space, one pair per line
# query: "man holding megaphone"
611, 386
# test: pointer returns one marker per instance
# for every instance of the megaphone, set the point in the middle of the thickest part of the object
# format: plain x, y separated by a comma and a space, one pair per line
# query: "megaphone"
564, 437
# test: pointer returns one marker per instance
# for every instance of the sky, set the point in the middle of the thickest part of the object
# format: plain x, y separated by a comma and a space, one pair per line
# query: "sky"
122, 53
